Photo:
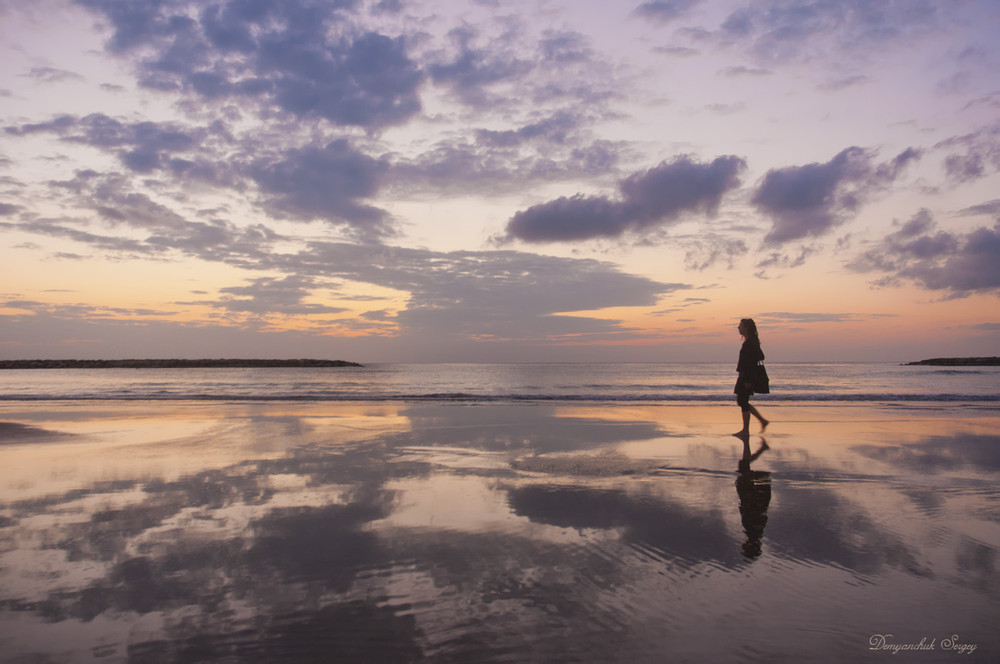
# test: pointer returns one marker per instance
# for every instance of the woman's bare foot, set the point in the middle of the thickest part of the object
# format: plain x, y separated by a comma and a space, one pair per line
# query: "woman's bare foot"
742, 434
763, 425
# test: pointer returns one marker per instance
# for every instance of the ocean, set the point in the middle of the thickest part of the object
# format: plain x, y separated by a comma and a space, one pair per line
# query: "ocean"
673, 382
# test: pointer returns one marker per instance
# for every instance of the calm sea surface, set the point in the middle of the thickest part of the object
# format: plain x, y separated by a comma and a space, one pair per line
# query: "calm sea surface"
514, 382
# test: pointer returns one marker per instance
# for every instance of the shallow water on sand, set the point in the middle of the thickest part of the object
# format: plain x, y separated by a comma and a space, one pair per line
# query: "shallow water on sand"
496, 532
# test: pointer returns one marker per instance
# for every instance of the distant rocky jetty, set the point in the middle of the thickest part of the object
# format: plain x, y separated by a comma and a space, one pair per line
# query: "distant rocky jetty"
958, 362
172, 364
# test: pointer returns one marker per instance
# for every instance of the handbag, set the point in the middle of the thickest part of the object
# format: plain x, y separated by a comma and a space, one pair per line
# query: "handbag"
760, 383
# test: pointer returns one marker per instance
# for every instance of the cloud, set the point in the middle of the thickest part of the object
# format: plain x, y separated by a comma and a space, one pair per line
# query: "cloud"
742, 70
710, 249
305, 58
89, 312
491, 295
452, 298
665, 11
648, 199
777, 317
556, 128
52, 75
142, 147
501, 66
326, 183
472, 69
677, 51
550, 149
991, 208
845, 82
781, 31
269, 295
960, 263
109, 243
781, 260
973, 156
808, 201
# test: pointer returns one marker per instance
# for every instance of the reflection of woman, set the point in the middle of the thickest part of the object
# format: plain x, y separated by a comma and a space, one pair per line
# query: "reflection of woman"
754, 490
750, 356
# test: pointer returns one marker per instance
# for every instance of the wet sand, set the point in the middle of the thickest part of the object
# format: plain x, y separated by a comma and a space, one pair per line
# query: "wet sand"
497, 532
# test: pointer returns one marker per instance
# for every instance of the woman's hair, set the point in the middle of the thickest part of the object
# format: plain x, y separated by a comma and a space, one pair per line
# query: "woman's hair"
750, 327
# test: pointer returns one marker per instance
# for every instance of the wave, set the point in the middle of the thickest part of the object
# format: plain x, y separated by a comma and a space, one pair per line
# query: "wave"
499, 398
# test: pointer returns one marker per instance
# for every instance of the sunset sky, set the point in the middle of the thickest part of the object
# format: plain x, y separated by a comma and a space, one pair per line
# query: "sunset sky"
491, 180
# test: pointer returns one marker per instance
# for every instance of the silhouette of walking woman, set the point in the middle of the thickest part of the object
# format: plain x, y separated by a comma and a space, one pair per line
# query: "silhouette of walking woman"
754, 490
750, 356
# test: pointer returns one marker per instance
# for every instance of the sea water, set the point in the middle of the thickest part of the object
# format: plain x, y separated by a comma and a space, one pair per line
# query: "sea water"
673, 382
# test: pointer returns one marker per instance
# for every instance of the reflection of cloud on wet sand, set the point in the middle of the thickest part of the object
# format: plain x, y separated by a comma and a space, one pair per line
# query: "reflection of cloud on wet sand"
677, 534
533, 428
536, 531
15, 432
941, 453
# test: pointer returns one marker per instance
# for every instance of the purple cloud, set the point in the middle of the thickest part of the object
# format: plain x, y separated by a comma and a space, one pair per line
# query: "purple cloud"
808, 201
961, 263
656, 197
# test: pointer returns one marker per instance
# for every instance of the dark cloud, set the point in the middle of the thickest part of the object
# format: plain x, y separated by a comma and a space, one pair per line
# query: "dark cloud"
494, 295
972, 156
808, 201
268, 295
648, 199
502, 296
162, 229
779, 317
844, 83
711, 249
991, 208
779, 30
325, 183
564, 46
52, 75
741, 70
556, 129
333, 181
77, 311
110, 243
502, 66
505, 161
306, 58
142, 147
665, 11
677, 51
961, 263
473, 68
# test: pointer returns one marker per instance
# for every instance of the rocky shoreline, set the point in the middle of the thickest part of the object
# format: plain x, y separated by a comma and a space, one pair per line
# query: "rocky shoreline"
958, 362
173, 364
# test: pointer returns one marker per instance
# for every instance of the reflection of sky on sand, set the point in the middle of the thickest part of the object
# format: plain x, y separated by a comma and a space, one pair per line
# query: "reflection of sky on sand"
75, 444
395, 532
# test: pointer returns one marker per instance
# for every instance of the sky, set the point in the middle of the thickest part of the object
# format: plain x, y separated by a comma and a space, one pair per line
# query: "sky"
499, 181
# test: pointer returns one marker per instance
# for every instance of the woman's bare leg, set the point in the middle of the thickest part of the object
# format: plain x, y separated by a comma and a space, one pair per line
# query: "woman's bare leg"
760, 418
745, 431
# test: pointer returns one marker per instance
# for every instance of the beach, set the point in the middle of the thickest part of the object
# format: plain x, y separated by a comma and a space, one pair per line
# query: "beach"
475, 531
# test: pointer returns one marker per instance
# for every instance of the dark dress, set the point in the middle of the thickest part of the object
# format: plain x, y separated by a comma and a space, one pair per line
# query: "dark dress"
750, 356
